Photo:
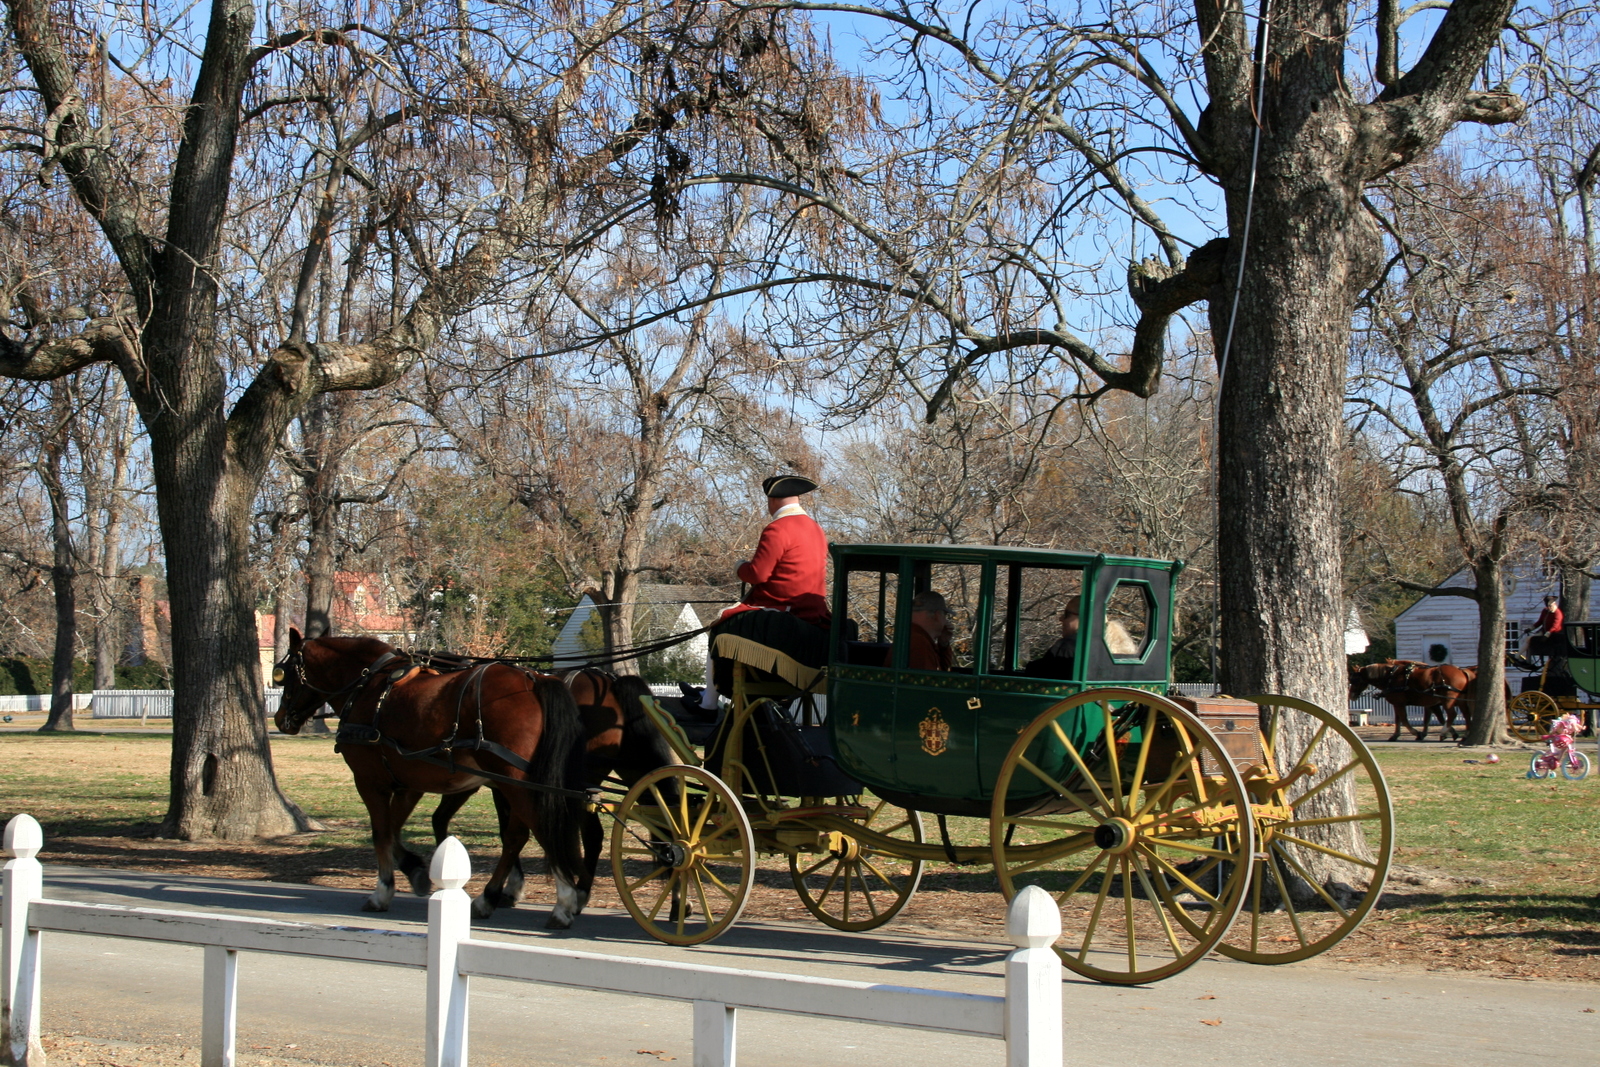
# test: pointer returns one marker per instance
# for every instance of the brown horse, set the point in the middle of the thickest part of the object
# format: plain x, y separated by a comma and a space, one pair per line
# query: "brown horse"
619, 739
1438, 691
407, 729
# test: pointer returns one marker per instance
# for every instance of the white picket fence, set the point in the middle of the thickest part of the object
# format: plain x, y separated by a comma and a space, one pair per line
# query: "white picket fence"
1027, 1018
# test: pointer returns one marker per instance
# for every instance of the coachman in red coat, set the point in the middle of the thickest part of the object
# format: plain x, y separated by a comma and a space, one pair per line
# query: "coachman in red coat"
788, 573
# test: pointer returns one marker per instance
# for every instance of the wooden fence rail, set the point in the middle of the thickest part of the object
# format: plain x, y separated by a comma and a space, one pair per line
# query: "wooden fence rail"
1027, 1018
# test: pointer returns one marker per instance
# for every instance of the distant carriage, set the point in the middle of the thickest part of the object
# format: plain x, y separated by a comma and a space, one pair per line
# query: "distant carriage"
1566, 681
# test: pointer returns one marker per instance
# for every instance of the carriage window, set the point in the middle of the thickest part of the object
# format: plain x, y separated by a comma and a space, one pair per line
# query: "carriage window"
1045, 601
872, 595
959, 584
1130, 612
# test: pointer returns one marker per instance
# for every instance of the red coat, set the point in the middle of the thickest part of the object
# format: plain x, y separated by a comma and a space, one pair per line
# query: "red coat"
790, 569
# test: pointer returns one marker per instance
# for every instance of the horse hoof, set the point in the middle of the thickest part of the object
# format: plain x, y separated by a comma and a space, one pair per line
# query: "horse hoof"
482, 907
373, 905
554, 923
421, 884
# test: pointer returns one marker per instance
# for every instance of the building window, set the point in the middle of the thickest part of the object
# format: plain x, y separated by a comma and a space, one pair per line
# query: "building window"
358, 600
1513, 636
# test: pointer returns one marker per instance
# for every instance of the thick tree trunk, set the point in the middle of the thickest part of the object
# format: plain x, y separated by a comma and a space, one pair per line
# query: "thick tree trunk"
1488, 717
1311, 251
222, 782
63, 568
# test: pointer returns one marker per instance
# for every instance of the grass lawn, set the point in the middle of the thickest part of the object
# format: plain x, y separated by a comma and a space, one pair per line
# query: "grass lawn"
1495, 872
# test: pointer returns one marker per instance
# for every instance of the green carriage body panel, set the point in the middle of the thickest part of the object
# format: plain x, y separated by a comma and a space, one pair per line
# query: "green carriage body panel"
1583, 655
880, 717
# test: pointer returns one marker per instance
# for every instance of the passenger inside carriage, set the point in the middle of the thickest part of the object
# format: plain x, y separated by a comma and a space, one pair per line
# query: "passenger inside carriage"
931, 635
1057, 660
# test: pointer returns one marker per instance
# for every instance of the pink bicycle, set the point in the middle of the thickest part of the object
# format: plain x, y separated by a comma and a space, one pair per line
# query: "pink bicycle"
1563, 754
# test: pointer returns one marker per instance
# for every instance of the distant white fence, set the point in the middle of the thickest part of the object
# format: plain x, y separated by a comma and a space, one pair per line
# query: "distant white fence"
11, 704
1027, 1018
145, 704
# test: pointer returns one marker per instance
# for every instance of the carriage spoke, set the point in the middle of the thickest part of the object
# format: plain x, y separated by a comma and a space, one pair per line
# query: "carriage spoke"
1288, 903
1325, 850
1084, 877
733, 894
873, 867
1180, 876
1255, 905
1083, 768
815, 867
1326, 782
1094, 916
700, 891
1060, 789
666, 890
1161, 912
1046, 824
833, 880
1050, 857
1139, 765
1110, 736
1185, 846
1127, 915
1309, 880
657, 873
1181, 764
666, 812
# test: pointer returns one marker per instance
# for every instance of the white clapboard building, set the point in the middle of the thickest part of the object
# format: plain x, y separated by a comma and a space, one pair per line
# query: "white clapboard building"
661, 611
1444, 629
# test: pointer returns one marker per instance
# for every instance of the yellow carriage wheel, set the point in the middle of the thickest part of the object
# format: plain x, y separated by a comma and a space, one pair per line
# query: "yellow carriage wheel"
1324, 836
683, 855
860, 885
1127, 810
1530, 714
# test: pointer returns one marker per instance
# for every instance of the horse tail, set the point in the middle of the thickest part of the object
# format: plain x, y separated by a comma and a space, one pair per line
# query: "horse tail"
643, 747
559, 761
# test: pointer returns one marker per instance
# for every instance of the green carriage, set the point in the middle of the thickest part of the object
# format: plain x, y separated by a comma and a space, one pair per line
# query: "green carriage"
1547, 696
1049, 750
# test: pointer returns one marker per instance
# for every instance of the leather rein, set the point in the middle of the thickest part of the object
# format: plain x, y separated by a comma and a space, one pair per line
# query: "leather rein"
441, 754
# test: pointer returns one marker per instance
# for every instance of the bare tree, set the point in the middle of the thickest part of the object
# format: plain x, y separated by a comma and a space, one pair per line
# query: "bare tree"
330, 126
1449, 364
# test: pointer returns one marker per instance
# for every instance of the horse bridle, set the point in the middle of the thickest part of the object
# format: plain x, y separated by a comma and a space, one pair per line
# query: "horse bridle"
297, 659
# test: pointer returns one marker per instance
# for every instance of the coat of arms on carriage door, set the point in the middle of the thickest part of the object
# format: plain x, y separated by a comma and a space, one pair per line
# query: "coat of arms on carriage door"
935, 732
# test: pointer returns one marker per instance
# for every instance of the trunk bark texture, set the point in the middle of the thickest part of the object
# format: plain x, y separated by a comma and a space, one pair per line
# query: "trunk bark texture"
107, 585
319, 476
1487, 724
63, 567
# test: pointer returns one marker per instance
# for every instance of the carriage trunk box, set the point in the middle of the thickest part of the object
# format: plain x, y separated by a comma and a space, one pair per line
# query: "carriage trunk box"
1236, 724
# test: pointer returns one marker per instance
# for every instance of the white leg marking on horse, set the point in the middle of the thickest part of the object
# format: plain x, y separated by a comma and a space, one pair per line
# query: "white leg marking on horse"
381, 896
513, 886
568, 903
482, 906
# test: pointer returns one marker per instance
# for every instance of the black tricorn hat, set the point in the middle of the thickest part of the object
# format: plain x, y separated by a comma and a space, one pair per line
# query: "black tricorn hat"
782, 485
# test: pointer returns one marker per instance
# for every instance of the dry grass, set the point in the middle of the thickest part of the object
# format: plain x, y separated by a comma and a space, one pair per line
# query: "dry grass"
1498, 874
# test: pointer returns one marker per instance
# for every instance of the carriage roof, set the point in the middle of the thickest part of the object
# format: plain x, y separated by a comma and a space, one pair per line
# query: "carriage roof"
1042, 557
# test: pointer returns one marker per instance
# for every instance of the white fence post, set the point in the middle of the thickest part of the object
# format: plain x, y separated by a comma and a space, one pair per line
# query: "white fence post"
19, 984
449, 924
219, 1006
1033, 981
715, 1034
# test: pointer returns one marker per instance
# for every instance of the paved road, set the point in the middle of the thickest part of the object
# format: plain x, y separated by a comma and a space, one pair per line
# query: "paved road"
361, 1014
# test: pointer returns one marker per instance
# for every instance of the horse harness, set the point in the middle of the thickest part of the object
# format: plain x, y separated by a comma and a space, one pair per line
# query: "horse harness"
1401, 683
441, 754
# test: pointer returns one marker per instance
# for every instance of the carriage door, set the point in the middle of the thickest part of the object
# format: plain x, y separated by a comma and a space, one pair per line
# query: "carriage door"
1129, 632
935, 712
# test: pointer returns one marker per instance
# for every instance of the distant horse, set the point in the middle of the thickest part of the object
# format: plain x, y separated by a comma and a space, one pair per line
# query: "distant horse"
1438, 691
407, 729
620, 739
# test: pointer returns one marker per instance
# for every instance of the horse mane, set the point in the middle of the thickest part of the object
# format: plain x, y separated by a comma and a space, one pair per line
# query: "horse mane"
639, 734
1119, 640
